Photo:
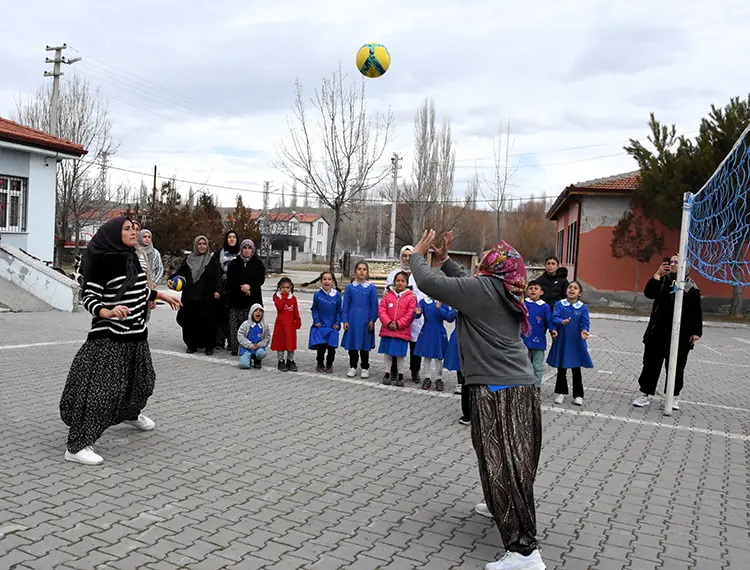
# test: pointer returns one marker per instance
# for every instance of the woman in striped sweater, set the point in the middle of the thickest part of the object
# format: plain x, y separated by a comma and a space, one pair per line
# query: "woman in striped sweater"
112, 376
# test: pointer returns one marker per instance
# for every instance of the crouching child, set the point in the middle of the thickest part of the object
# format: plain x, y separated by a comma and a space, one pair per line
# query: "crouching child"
253, 337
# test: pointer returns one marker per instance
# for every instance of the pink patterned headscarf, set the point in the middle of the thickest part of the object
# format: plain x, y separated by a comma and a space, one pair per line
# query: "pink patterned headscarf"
504, 262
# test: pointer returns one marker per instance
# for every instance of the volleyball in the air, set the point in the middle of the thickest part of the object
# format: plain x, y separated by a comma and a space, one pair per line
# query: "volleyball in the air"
373, 60
178, 283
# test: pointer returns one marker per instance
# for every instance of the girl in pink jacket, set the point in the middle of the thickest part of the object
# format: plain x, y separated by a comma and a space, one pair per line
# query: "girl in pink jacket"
396, 313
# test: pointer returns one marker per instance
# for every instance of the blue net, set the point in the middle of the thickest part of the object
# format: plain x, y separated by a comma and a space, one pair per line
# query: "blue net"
719, 231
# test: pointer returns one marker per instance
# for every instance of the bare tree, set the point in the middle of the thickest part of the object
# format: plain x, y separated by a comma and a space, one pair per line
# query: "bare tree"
431, 187
338, 156
84, 119
496, 190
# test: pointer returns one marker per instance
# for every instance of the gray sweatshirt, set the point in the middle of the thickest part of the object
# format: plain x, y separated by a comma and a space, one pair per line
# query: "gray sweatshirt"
489, 331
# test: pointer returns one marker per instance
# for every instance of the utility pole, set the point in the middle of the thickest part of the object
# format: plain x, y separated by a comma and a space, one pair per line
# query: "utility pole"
103, 180
394, 163
153, 198
265, 242
55, 75
379, 248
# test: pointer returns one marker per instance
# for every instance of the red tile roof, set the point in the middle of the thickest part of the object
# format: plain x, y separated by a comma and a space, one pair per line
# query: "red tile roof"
615, 185
11, 131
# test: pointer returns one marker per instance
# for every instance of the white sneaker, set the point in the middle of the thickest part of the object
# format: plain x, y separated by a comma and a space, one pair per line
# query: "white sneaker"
457, 389
142, 423
641, 401
675, 404
85, 456
365, 373
514, 561
559, 398
578, 401
481, 509
352, 373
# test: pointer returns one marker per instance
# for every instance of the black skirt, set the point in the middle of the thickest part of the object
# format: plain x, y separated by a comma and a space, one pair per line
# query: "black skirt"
109, 382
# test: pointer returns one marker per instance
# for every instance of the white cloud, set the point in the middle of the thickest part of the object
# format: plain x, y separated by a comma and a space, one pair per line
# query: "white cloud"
203, 91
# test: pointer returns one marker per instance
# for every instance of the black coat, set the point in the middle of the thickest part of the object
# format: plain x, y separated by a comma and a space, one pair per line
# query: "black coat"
240, 272
555, 287
203, 289
659, 328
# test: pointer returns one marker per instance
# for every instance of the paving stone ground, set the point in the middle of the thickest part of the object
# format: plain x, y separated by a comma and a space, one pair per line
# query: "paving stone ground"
261, 469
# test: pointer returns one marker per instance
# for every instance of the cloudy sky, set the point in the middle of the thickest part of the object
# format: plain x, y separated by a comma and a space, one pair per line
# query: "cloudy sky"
204, 92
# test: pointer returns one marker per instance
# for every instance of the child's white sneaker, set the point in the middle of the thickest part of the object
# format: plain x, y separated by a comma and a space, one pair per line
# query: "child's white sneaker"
85, 456
352, 373
559, 398
578, 401
457, 389
365, 373
641, 401
515, 561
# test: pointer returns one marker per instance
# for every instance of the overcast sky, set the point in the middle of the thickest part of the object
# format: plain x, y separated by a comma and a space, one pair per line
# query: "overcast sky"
204, 92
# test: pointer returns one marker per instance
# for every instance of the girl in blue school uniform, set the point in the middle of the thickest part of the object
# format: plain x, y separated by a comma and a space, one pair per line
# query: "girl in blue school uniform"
326, 314
433, 340
570, 319
358, 316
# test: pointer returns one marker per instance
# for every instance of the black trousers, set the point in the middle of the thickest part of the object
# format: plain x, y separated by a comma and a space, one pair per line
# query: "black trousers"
356, 356
506, 431
415, 362
322, 348
656, 356
465, 398
561, 386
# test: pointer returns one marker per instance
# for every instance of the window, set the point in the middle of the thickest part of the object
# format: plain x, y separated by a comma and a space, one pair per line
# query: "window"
293, 228
320, 228
319, 248
560, 244
572, 244
13, 203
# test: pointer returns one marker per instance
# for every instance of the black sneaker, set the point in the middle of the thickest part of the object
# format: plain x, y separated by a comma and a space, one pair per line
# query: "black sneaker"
190, 350
415, 377
464, 421
235, 353
256, 364
387, 379
320, 368
328, 369
400, 381
439, 386
291, 366
282, 365
427, 384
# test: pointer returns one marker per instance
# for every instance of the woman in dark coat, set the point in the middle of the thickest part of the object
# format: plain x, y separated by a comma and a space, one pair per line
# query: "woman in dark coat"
224, 256
203, 284
112, 376
245, 277
657, 339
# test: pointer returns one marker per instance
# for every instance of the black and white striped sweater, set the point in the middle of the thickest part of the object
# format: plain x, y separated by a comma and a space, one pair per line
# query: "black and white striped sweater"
106, 278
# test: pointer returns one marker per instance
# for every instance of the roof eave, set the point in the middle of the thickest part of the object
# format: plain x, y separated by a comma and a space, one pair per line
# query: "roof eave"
576, 191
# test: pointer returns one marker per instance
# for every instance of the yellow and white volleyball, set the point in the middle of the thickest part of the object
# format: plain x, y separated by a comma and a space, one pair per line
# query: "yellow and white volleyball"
373, 60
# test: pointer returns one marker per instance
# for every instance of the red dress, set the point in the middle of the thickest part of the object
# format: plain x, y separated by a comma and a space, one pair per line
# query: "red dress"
287, 323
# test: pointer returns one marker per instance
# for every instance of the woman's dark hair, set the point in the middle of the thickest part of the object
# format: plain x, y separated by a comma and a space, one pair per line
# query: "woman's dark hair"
552, 258
282, 281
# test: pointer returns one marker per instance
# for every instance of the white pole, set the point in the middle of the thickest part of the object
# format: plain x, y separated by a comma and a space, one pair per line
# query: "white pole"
679, 294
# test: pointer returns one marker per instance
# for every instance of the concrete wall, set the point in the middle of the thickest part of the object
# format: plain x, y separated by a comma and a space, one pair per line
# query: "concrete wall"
35, 277
41, 172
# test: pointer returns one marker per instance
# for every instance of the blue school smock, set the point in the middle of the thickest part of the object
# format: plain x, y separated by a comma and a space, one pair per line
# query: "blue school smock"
452, 362
540, 320
326, 310
433, 340
360, 308
569, 350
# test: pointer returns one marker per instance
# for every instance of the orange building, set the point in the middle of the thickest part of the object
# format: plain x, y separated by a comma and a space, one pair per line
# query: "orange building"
586, 214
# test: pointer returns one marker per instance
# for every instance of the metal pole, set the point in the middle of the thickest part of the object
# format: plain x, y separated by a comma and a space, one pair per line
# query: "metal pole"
55, 74
394, 198
678, 298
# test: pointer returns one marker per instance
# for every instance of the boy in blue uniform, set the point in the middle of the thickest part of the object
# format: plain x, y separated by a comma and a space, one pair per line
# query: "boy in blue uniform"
540, 319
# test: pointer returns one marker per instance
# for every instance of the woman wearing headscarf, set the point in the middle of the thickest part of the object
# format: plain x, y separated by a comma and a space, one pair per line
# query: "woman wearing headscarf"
224, 256
112, 376
203, 284
150, 255
415, 362
506, 418
245, 277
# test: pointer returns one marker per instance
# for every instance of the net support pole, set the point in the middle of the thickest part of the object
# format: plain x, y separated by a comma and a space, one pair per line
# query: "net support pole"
678, 299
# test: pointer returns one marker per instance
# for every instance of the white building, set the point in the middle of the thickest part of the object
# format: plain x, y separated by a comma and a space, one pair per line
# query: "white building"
28, 173
313, 227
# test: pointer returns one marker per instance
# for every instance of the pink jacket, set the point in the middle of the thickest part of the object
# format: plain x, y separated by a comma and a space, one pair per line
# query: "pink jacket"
399, 309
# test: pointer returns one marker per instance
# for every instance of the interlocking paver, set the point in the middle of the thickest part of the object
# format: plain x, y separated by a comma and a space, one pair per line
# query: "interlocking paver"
252, 469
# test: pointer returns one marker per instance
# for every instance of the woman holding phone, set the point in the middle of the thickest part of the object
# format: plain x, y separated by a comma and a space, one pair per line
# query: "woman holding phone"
658, 336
